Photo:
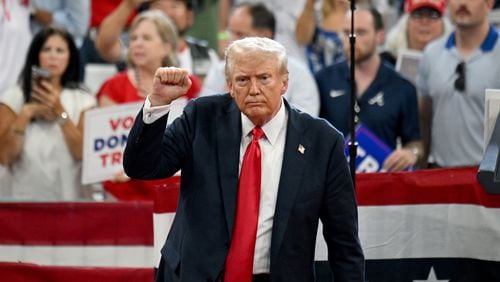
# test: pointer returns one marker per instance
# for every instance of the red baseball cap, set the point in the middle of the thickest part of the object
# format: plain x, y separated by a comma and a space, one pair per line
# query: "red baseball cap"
438, 5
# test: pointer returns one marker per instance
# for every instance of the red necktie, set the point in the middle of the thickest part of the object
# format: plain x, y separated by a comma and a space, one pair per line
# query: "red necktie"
239, 262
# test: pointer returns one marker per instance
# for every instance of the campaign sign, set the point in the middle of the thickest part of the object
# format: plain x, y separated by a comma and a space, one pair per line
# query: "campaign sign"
105, 136
371, 151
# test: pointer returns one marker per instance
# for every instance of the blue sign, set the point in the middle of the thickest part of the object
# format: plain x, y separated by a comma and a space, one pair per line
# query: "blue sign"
371, 152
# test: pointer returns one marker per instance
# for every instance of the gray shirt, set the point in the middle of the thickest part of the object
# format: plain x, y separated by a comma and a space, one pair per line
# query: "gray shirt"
457, 123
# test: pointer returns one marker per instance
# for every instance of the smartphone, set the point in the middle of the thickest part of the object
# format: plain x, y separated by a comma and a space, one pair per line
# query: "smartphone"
38, 73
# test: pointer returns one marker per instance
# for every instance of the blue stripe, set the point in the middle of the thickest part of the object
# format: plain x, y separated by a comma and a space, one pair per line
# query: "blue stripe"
487, 45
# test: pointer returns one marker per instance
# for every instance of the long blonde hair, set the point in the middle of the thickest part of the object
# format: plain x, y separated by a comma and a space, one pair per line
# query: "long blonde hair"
166, 30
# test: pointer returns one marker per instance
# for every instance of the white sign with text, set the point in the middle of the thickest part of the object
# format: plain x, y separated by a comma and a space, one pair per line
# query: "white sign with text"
105, 136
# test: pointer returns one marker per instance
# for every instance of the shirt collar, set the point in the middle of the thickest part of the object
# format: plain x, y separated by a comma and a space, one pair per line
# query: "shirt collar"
271, 129
486, 46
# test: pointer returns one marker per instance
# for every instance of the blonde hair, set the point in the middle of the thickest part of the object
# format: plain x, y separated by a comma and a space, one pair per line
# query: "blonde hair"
255, 45
166, 29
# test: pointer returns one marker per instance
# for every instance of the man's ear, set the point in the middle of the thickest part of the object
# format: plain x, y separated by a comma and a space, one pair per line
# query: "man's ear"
491, 4
190, 18
229, 87
266, 33
380, 37
284, 79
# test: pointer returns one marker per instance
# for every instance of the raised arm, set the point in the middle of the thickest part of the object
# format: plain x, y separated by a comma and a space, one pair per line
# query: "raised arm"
149, 153
223, 38
108, 38
306, 23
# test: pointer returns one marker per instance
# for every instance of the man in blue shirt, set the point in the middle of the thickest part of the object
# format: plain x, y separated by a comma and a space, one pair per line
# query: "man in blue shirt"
386, 102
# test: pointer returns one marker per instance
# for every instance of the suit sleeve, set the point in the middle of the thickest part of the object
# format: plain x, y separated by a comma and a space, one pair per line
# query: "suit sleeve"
340, 220
156, 151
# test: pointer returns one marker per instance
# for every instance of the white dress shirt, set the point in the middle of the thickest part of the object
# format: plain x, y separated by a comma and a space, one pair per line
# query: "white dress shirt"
272, 148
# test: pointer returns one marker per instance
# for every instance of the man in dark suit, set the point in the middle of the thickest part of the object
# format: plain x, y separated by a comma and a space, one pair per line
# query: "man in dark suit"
303, 172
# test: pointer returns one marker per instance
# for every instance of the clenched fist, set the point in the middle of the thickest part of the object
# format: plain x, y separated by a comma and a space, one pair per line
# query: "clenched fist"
169, 84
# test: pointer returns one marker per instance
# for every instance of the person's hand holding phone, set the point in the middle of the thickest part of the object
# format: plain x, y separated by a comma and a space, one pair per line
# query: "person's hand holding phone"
45, 96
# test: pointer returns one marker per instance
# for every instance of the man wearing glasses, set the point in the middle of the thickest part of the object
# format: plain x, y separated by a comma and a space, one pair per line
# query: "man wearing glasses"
423, 23
451, 81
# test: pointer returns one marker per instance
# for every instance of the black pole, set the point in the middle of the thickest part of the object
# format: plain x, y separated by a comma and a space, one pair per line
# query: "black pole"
353, 145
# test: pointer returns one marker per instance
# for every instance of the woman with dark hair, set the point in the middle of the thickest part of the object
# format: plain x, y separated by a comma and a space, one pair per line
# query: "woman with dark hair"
41, 122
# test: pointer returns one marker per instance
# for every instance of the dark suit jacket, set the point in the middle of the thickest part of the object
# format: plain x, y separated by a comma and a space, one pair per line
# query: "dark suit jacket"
205, 143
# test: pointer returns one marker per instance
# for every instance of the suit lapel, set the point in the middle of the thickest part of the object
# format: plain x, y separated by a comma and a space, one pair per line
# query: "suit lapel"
294, 161
228, 151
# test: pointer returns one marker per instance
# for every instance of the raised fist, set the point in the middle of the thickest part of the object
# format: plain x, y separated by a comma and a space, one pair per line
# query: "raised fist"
169, 84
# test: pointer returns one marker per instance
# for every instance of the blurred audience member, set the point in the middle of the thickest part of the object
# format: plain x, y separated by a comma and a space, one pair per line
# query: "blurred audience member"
153, 39
423, 22
247, 20
72, 15
322, 37
15, 37
286, 13
41, 121
386, 103
99, 9
194, 54
454, 73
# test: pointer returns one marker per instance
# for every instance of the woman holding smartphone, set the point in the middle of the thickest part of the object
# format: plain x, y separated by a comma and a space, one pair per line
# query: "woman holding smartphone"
41, 122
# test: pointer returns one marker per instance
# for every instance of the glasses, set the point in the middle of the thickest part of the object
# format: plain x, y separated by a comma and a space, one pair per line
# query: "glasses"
460, 81
425, 13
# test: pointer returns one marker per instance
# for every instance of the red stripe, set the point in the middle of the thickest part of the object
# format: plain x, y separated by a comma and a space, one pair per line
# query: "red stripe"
130, 223
81, 224
433, 186
24, 272
436, 186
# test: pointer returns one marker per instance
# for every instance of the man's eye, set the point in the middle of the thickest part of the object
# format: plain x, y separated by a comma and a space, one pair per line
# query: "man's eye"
361, 32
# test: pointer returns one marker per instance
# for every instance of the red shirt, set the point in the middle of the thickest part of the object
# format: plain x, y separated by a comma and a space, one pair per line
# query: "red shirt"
100, 9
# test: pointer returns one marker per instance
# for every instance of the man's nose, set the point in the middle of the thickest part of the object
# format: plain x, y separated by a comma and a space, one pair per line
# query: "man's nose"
254, 87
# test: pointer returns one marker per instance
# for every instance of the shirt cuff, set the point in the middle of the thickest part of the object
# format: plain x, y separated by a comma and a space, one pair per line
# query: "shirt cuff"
152, 114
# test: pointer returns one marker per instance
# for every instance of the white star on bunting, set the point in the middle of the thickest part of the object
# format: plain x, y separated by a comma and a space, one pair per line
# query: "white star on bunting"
431, 278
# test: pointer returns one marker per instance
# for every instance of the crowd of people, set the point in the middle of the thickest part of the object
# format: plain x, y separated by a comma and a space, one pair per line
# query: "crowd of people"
455, 39
261, 143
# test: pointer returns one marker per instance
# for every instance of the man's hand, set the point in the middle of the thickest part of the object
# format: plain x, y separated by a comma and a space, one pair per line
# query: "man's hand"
399, 159
169, 84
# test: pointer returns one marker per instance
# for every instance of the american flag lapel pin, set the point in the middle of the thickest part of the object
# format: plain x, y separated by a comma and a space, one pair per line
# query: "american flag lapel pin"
301, 149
